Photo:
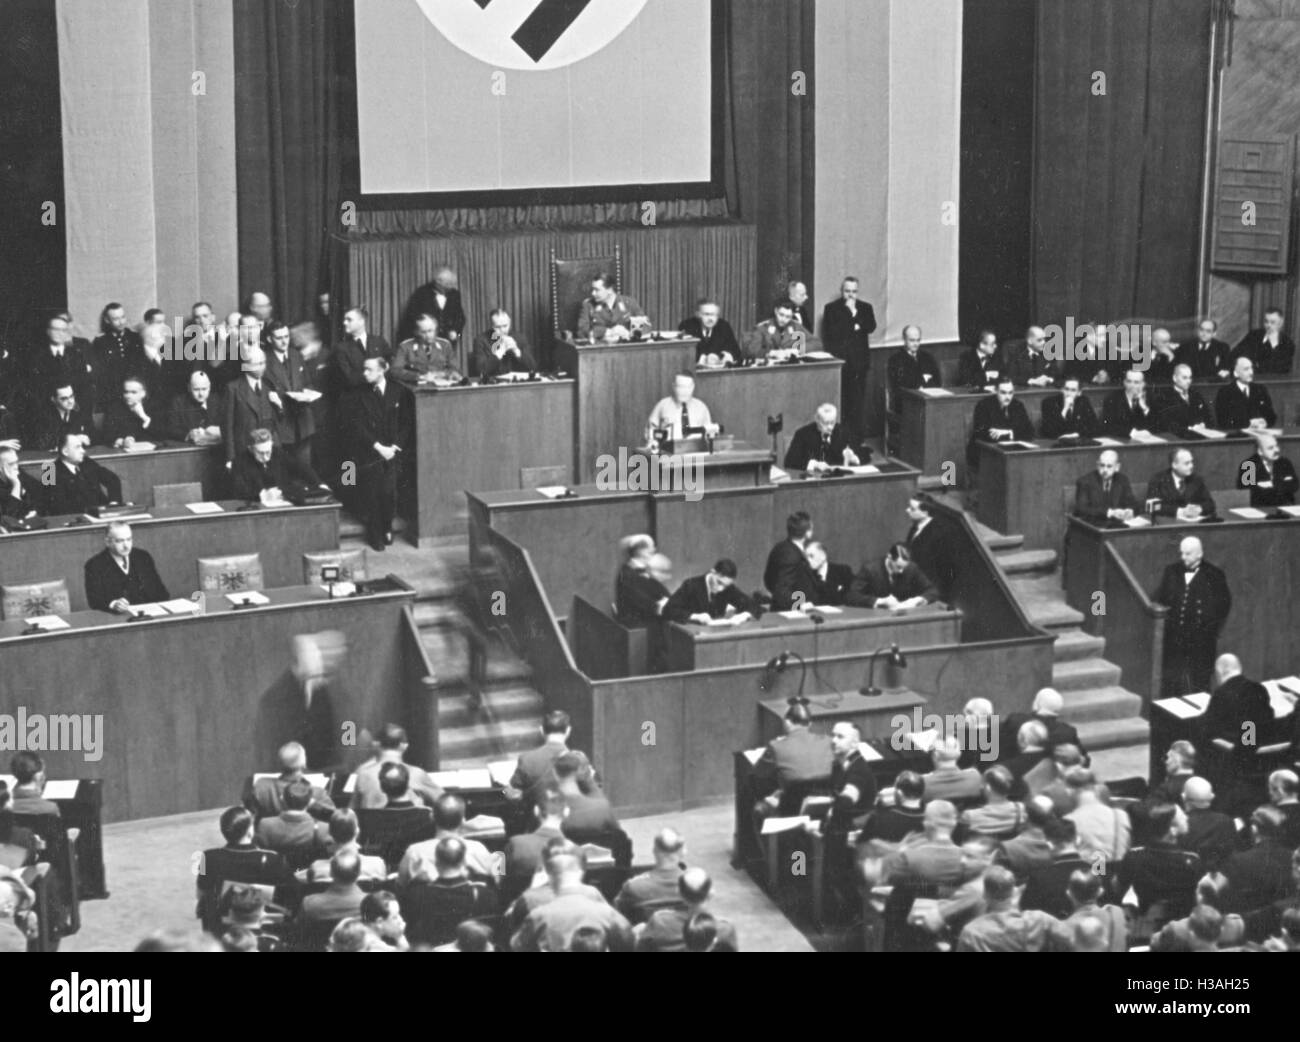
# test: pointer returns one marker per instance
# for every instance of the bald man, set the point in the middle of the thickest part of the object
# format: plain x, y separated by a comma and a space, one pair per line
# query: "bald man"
910, 367
1105, 494
1027, 365
644, 894
1269, 475
1196, 594
822, 444
441, 299
1182, 492
1211, 835
1236, 702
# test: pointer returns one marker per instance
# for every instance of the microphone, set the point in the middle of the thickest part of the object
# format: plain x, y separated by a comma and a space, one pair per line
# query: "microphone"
776, 664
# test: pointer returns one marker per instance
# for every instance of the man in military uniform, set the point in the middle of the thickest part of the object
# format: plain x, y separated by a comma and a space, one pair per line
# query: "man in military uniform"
608, 314
779, 336
425, 355
1196, 594
798, 756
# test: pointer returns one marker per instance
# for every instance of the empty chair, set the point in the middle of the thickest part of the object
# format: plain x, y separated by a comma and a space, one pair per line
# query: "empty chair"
23, 601
230, 574
177, 495
350, 563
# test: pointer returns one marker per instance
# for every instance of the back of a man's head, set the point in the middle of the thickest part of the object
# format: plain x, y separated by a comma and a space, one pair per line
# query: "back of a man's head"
1067, 755
449, 856
1060, 832
567, 766
1090, 935
909, 786
1032, 735
555, 722
1039, 811
449, 812
392, 737
343, 826
293, 757
550, 804
345, 867
25, 767
1078, 778
946, 752
235, 824
1206, 923
590, 938
1267, 822
473, 936
562, 860
695, 886
999, 780
940, 818
999, 885
297, 794
394, 780
668, 846
1084, 887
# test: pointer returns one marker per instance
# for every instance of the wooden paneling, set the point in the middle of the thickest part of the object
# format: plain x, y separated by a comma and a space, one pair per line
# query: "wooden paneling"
603, 648
1252, 205
742, 399
856, 517
141, 471
946, 354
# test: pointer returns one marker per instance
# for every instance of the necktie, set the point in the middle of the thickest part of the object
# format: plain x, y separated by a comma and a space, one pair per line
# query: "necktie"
826, 446
126, 565
379, 391
686, 419
1105, 486
1069, 409
257, 386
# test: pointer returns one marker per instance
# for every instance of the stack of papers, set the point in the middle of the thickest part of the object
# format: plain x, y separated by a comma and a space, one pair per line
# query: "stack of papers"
1018, 444
818, 356
471, 778
248, 597
203, 508
1290, 511
1178, 707
1109, 442
303, 396
1280, 698
150, 611
62, 789
922, 740
1138, 522
1250, 513
1201, 699
502, 771
1275, 431
552, 491
777, 474
754, 755
1147, 438
869, 752
865, 468
317, 781
181, 606
45, 623
1210, 432
139, 446
734, 620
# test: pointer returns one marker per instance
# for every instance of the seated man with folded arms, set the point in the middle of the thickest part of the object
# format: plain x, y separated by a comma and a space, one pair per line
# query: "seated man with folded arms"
425, 356
121, 575
1182, 494
710, 596
21, 494
1105, 494
80, 484
1269, 475
499, 350
681, 413
894, 582
131, 418
822, 444
779, 337
264, 472
194, 417
1068, 413
717, 340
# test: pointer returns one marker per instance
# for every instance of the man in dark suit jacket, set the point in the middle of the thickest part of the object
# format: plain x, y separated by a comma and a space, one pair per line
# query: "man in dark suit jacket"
263, 465
1271, 350
342, 899
1242, 403
1105, 493
294, 832
999, 417
80, 484
1209, 358
716, 337
251, 404
441, 299
286, 374
1069, 412
824, 441
1269, 475
711, 596
929, 540
1026, 363
120, 576
1235, 702
1179, 408
911, 368
893, 582
786, 572
499, 350
847, 325
59, 362
133, 417
380, 421
357, 345
21, 495
1182, 494
1211, 835
523, 853
112, 349
195, 417
831, 581
1129, 409
981, 366
56, 417
1196, 594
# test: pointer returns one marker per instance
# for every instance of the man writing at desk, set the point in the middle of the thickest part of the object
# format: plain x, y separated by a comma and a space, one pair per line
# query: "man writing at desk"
710, 596
896, 582
608, 314
120, 576
263, 472
822, 444
681, 414
500, 351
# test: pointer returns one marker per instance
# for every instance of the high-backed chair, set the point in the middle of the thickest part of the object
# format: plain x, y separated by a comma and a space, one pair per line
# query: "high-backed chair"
230, 574
178, 495
350, 563
24, 600
571, 285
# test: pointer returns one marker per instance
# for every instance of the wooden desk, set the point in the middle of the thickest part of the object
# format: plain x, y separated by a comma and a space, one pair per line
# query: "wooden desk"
873, 714
852, 631
141, 471
475, 438
1022, 492
742, 399
176, 539
617, 386
192, 705
574, 542
691, 467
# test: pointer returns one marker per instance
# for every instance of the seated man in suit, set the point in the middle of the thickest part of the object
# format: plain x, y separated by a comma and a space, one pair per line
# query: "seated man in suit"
1182, 494
831, 582
344, 830
786, 572
1269, 349
343, 897
56, 417
1046, 710
552, 920
240, 859
498, 350
265, 473
1269, 475
910, 367
1105, 494
294, 832
1181, 410
194, 417
1087, 360
711, 596
608, 314
425, 357
120, 575
267, 796
1236, 702
666, 929
433, 908
947, 781
822, 444
1161, 874
644, 894
523, 854
535, 768
717, 340
131, 418
588, 814
894, 582
1164, 356
999, 417
390, 747
1208, 357
681, 414
80, 484
798, 756
1027, 365
980, 367
1242, 404
28, 796
448, 820
1069, 414
780, 337
21, 495
1128, 410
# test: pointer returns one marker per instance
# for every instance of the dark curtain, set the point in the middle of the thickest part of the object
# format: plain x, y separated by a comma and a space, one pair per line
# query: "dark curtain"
997, 153
1117, 177
289, 98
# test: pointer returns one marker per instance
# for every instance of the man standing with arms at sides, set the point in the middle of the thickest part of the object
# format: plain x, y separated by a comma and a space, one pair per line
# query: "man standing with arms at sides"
109, 354
847, 325
1196, 594
381, 421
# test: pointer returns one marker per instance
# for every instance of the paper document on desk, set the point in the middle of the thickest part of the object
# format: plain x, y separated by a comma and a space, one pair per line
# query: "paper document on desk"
754, 755
318, 781
1210, 432
552, 491
1107, 442
203, 508
791, 614
306, 396
828, 609
771, 826
62, 789
502, 771
139, 446
149, 611
1257, 431
45, 623
864, 468
777, 474
180, 606
350, 785
734, 620
1138, 522
922, 740
818, 356
1178, 707
248, 597
1147, 438
1250, 513
472, 778
935, 392
1282, 700
9, 780
1201, 699
1291, 683
1018, 444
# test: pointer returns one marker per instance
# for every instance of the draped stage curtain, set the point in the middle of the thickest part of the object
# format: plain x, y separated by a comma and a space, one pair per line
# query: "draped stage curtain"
1117, 177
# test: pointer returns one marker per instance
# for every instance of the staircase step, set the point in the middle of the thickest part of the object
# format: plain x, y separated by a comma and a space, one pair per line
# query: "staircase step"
1114, 734
1027, 562
484, 742
1076, 644
1100, 703
497, 705
1043, 601
1084, 673
996, 541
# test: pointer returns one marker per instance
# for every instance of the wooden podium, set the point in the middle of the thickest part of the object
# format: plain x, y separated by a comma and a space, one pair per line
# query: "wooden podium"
731, 464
